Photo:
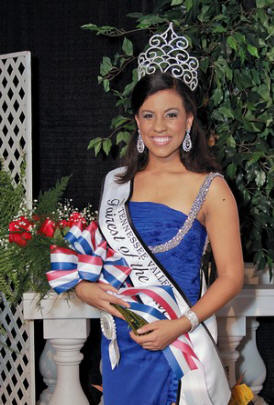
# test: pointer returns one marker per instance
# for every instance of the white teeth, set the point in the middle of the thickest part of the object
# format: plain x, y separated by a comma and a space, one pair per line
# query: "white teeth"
160, 140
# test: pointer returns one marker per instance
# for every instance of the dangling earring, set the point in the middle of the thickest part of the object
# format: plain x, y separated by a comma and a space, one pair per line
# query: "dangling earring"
140, 143
187, 144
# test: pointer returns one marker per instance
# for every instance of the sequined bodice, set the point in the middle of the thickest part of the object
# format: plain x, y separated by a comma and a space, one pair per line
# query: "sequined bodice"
158, 223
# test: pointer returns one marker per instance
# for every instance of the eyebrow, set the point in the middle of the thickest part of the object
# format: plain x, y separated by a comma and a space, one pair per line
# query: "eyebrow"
168, 109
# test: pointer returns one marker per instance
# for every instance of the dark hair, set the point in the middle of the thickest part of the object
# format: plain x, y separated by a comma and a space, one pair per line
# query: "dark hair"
199, 159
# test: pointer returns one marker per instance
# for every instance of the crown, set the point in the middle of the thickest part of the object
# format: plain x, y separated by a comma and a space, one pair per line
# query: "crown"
167, 53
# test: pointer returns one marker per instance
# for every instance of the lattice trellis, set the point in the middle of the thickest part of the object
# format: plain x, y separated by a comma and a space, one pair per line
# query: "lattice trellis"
17, 358
15, 116
17, 381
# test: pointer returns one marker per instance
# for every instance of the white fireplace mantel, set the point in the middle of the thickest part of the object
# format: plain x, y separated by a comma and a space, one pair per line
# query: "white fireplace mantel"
66, 325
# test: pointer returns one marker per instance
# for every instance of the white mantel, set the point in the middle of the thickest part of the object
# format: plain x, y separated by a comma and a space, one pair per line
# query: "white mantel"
66, 325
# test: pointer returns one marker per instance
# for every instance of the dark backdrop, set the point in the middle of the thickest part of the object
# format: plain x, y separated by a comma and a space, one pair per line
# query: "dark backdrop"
69, 107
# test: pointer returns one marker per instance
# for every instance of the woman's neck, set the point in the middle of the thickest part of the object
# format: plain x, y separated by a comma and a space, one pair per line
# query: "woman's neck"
164, 165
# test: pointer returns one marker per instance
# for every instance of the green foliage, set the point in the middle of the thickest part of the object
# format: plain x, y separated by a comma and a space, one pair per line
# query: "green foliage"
48, 200
10, 200
233, 41
23, 268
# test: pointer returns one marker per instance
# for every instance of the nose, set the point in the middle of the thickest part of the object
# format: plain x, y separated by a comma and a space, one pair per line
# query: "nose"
159, 124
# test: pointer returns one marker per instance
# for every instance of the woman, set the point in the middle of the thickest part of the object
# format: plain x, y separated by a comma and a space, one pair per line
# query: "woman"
157, 190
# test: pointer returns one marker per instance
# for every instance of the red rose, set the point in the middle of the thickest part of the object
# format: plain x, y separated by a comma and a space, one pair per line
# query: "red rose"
76, 218
48, 228
20, 231
63, 223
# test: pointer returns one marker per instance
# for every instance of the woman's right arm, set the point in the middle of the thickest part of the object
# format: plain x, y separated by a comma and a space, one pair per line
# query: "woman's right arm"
99, 295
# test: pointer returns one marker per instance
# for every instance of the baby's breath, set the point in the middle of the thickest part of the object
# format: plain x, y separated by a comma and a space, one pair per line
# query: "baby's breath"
26, 236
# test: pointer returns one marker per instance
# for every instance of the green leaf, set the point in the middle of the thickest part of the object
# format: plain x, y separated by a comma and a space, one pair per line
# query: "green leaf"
128, 89
255, 157
217, 96
122, 136
135, 75
123, 151
103, 30
94, 142
231, 142
240, 38
204, 64
222, 65
107, 144
219, 29
118, 121
231, 170
270, 54
226, 112
242, 55
228, 73
48, 199
135, 15
98, 146
263, 91
106, 85
203, 16
188, 4
232, 43
252, 50
105, 66
127, 47
243, 79
90, 27
264, 3
150, 20
176, 2
260, 177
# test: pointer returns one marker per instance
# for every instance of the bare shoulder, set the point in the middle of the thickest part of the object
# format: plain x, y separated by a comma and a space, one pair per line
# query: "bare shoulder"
220, 196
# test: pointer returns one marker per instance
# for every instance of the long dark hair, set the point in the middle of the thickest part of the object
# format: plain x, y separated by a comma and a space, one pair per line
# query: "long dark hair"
199, 159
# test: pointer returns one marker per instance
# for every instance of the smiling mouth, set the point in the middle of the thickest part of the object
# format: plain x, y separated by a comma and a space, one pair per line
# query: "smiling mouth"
161, 140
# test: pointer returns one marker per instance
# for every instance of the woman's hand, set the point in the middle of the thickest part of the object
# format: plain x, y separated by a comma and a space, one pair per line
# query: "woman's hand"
99, 295
158, 335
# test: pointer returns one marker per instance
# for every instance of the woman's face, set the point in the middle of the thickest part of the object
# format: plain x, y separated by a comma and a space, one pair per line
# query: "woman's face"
163, 122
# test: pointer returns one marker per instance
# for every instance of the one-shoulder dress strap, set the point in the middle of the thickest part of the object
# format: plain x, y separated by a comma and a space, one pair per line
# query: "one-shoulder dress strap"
196, 206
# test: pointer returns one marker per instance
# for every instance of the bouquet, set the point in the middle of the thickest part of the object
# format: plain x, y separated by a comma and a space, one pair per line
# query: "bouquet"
26, 235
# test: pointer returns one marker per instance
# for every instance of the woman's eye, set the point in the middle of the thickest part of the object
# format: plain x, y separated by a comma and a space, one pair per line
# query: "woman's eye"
172, 114
147, 115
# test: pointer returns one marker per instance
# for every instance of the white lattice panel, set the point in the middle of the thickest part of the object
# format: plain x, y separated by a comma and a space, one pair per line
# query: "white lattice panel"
15, 116
17, 357
17, 381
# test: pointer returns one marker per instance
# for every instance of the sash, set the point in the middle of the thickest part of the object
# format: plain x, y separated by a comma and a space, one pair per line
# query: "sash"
203, 379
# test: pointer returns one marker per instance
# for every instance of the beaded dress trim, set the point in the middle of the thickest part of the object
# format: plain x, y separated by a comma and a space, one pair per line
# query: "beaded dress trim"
196, 206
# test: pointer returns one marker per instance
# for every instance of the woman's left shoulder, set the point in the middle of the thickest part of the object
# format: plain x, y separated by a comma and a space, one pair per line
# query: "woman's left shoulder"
219, 193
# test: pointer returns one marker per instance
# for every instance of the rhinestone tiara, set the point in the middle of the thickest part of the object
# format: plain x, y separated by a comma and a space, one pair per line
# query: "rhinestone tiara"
167, 53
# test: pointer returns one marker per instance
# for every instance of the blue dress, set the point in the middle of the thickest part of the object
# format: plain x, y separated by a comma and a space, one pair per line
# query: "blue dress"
144, 377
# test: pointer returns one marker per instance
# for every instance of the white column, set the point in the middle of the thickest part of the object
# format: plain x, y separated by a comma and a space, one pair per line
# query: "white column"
230, 333
68, 390
67, 337
251, 365
47, 367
